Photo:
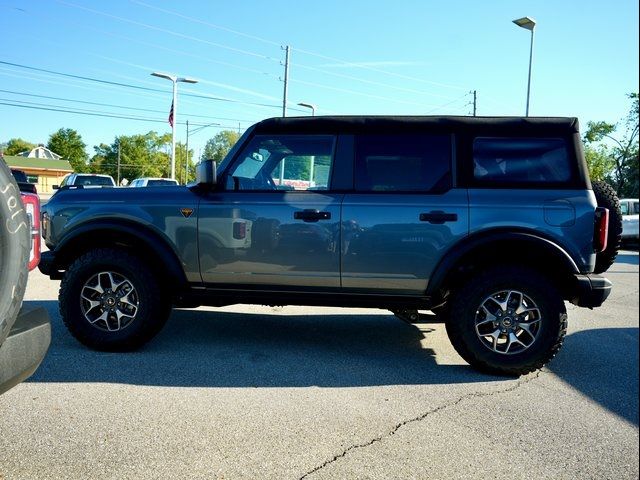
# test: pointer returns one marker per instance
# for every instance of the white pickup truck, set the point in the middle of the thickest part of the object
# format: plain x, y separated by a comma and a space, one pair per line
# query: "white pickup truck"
630, 208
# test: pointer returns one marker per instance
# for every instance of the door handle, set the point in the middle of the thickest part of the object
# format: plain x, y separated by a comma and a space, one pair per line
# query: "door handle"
311, 215
438, 217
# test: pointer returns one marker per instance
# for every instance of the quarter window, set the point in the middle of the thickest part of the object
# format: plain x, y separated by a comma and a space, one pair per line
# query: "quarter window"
521, 160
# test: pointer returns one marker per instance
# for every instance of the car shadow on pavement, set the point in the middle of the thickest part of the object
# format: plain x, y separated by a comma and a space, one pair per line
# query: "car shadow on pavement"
223, 349
603, 365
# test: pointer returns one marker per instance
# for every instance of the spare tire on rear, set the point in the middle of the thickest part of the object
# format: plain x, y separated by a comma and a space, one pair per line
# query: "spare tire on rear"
606, 197
14, 250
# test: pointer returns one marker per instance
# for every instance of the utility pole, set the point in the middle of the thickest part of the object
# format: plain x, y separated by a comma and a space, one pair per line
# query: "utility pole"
475, 102
118, 161
186, 160
286, 80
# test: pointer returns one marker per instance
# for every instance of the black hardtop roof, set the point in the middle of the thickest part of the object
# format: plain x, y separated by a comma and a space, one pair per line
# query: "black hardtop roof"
414, 124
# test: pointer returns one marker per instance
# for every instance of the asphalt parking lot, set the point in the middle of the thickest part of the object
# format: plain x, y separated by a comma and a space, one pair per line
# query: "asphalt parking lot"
296, 392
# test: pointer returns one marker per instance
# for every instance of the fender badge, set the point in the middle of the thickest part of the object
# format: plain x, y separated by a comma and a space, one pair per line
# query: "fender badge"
186, 212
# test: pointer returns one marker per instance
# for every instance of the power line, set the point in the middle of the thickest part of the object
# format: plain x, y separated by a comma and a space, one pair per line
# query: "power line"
69, 75
202, 22
152, 45
169, 32
448, 104
371, 82
307, 52
379, 70
56, 108
355, 92
120, 106
137, 87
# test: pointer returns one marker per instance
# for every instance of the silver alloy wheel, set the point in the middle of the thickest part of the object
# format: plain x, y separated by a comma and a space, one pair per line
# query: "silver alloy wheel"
508, 322
109, 301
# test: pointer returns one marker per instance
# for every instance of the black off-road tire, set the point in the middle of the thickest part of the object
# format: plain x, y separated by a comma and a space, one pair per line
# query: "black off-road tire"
606, 197
15, 243
466, 302
153, 310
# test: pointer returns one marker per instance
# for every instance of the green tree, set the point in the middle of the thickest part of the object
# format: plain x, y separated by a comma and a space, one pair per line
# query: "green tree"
599, 162
218, 146
139, 156
621, 147
68, 143
16, 146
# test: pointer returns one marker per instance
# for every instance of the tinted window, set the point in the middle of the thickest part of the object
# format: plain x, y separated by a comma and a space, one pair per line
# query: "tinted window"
19, 175
403, 163
160, 183
283, 162
90, 180
521, 160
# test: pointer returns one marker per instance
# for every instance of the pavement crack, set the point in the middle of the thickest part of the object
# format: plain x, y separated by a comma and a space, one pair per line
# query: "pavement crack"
419, 418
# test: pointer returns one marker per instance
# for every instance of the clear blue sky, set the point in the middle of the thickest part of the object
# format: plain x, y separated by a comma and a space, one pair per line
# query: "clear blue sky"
347, 57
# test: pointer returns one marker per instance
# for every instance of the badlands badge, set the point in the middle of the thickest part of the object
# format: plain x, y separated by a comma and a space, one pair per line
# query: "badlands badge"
186, 212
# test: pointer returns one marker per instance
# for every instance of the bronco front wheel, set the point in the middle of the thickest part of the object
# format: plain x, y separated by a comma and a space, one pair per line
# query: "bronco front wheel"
507, 321
109, 300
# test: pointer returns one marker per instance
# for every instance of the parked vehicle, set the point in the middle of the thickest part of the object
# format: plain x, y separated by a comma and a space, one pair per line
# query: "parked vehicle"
630, 209
23, 182
490, 222
25, 333
153, 182
86, 180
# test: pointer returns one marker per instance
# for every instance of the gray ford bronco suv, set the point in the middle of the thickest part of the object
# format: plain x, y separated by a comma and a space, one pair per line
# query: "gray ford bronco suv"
491, 223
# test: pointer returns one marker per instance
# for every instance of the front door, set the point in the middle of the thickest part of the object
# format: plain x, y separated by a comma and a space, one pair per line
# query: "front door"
276, 221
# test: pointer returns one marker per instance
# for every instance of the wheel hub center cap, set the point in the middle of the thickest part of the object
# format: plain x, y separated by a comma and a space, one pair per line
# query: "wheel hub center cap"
507, 322
110, 301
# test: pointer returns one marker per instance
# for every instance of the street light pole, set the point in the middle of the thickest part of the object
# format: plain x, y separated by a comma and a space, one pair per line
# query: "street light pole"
309, 105
174, 80
312, 159
528, 24
196, 130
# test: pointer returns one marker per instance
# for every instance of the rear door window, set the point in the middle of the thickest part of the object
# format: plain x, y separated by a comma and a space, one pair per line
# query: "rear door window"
521, 161
403, 163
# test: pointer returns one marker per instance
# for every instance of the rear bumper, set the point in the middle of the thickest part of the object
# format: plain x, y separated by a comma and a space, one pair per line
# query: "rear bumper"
48, 265
25, 347
591, 290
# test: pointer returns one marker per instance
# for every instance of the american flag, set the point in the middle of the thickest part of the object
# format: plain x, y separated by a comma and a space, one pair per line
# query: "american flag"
171, 115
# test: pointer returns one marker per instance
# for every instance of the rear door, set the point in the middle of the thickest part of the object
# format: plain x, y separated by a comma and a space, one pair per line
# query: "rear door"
403, 214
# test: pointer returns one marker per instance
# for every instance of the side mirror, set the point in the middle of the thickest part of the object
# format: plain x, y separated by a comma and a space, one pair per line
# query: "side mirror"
55, 187
206, 173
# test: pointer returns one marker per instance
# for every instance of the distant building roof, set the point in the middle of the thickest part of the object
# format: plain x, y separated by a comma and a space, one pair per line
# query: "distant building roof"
21, 162
40, 152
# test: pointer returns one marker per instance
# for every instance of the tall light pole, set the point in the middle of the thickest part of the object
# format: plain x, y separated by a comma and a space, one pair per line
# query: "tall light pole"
196, 130
309, 105
528, 23
312, 159
174, 79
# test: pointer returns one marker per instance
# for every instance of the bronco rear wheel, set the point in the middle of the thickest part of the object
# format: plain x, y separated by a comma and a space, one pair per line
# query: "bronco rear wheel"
109, 300
507, 321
